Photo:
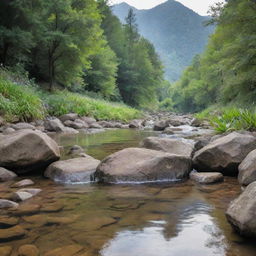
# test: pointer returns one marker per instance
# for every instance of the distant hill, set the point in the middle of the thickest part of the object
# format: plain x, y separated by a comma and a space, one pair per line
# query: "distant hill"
177, 32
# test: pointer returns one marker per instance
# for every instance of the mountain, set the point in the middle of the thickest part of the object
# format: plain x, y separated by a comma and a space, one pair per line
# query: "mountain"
177, 32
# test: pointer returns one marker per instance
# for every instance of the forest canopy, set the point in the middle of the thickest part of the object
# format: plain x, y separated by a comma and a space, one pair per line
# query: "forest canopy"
80, 45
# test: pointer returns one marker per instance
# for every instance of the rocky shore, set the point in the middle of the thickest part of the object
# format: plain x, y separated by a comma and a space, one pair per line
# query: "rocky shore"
183, 148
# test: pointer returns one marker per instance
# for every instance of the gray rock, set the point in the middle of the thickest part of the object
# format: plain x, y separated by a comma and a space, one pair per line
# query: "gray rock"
32, 191
69, 130
88, 120
247, 169
54, 125
142, 165
75, 150
135, 124
70, 117
224, 154
174, 146
22, 126
7, 204
6, 175
106, 124
241, 212
21, 196
95, 126
8, 130
27, 150
23, 183
160, 125
75, 124
72, 170
206, 177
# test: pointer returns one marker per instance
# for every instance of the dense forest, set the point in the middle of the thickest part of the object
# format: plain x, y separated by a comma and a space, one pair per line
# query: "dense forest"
81, 46
225, 73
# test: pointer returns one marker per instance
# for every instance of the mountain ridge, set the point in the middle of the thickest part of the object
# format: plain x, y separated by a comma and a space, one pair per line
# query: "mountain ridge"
176, 31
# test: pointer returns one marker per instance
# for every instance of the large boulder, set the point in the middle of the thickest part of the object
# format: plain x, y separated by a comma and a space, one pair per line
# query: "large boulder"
142, 165
72, 170
247, 169
241, 212
225, 154
174, 146
27, 150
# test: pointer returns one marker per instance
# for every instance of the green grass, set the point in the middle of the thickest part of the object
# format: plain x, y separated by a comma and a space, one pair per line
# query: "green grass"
19, 102
227, 119
64, 102
21, 99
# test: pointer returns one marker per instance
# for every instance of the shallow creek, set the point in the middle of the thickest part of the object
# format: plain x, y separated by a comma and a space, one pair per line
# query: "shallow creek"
168, 219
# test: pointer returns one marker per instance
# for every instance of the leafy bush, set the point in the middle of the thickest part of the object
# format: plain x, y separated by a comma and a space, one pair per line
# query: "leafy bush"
64, 102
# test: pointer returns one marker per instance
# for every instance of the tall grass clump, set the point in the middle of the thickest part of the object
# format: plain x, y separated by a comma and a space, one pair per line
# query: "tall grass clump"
63, 102
19, 102
232, 119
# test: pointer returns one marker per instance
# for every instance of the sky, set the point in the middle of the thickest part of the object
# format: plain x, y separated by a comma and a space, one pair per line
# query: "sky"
199, 6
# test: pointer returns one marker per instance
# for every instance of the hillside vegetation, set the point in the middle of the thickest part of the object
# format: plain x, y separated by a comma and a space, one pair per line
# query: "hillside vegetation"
79, 45
21, 99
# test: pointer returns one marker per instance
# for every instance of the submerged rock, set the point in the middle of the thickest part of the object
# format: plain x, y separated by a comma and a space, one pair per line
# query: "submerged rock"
72, 170
12, 233
69, 250
247, 169
241, 212
142, 165
174, 146
7, 221
6, 175
5, 250
225, 154
28, 250
27, 150
206, 177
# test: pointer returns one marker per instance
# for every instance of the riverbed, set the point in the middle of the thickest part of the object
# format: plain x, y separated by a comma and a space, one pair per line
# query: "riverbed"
165, 219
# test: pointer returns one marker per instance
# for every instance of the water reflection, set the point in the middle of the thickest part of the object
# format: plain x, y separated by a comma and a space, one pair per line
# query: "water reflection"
199, 235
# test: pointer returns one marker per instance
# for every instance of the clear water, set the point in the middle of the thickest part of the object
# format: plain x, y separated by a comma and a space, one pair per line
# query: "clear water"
175, 219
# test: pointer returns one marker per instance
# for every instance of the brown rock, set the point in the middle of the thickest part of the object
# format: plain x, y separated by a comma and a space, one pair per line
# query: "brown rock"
15, 232
69, 250
28, 250
5, 250
6, 222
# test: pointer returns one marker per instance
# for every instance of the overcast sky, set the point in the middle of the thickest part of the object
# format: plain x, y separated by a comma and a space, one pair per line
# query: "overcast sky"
199, 6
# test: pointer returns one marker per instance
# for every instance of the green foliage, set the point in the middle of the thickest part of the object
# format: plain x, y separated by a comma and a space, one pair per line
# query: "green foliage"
225, 72
19, 102
166, 104
65, 102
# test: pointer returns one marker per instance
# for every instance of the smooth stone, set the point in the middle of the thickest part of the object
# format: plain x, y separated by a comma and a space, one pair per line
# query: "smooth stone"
160, 125
5, 250
70, 117
135, 124
95, 126
6, 175
8, 131
241, 212
12, 233
174, 146
28, 250
21, 196
69, 250
54, 125
69, 130
88, 120
247, 169
224, 154
142, 165
206, 177
23, 183
72, 170
22, 126
6, 222
32, 191
27, 150
7, 204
